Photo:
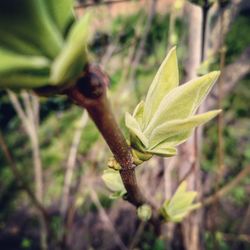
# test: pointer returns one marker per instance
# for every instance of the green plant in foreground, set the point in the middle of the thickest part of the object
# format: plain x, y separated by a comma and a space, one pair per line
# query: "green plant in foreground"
165, 120
41, 43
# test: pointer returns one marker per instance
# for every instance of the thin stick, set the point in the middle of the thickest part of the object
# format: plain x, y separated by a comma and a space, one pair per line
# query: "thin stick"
227, 188
70, 167
137, 236
19, 178
106, 219
220, 119
142, 42
29, 122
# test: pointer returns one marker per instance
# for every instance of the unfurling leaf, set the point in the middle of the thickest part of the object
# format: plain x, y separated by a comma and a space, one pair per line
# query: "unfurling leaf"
41, 44
166, 79
73, 56
167, 118
180, 205
113, 181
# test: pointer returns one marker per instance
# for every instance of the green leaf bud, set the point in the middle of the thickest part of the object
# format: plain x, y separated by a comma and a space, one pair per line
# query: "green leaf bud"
144, 212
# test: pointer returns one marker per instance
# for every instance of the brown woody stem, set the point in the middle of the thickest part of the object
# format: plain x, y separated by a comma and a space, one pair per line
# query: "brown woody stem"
90, 92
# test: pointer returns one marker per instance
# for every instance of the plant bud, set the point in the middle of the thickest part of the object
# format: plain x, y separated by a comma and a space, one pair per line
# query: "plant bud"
144, 212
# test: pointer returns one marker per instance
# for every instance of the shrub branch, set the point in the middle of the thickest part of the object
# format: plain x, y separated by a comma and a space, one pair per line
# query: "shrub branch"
90, 92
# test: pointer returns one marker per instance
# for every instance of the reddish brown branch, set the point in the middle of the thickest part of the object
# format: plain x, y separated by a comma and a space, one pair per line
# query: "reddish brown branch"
90, 93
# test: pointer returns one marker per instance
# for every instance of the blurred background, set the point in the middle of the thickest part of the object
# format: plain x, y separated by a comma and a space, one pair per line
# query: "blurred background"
52, 156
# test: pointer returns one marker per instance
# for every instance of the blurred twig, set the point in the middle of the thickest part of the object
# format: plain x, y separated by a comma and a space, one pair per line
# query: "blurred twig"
105, 218
142, 42
220, 119
232, 74
141, 45
70, 166
19, 178
29, 118
239, 237
227, 188
137, 236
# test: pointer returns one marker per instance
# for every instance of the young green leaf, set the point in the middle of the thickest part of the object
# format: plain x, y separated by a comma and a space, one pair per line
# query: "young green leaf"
179, 205
182, 101
61, 12
12, 62
167, 117
22, 80
166, 79
71, 60
30, 22
138, 113
172, 131
134, 127
113, 181
163, 151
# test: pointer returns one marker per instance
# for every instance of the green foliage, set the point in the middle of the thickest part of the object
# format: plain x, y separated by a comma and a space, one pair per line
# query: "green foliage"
239, 195
37, 48
26, 243
212, 238
236, 39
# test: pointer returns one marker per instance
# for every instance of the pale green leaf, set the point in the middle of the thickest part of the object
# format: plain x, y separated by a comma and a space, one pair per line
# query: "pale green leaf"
172, 131
17, 44
140, 156
167, 151
138, 113
180, 204
178, 218
22, 80
71, 60
113, 181
61, 12
12, 62
166, 79
182, 101
134, 127
117, 195
29, 22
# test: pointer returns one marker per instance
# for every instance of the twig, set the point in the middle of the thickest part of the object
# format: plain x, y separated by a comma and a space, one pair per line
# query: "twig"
227, 188
90, 93
19, 178
71, 161
240, 237
232, 74
220, 119
137, 236
106, 219
141, 46
30, 124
